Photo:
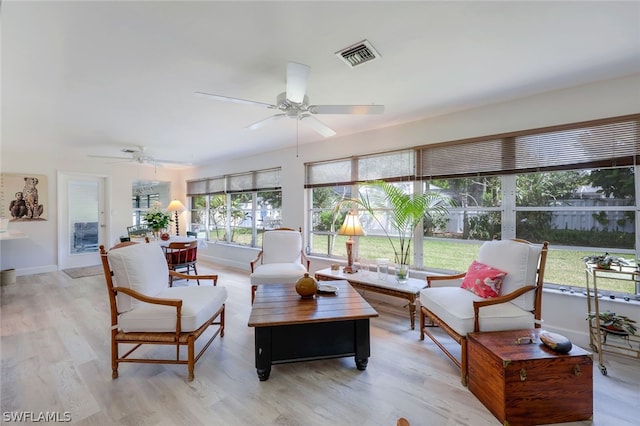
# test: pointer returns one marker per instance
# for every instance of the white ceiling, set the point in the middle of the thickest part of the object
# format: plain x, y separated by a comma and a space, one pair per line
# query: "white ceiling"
97, 77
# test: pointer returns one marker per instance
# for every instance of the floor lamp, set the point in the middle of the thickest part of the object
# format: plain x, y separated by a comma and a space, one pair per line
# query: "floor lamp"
351, 227
177, 207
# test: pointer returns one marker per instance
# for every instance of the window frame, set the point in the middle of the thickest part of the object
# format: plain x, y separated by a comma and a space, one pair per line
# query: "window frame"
510, 149
231, 186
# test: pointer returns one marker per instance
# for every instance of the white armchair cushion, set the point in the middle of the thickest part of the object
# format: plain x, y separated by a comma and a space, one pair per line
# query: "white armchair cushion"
139, 267
278, 273
454, 306
519, 261
281, 246
199, 303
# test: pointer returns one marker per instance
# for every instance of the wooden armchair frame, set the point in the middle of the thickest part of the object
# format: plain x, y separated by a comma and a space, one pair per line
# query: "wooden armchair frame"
176, 338
434, 320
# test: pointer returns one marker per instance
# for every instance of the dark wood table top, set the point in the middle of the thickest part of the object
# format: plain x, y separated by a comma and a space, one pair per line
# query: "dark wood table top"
280, 304
503, 345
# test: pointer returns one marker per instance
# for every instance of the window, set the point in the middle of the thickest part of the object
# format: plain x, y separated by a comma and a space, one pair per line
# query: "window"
217, 215
270, 209
331, 181
241, 218
140, 204
477, 214
325, 222
144, 195
573, 185
236, 208
582, 212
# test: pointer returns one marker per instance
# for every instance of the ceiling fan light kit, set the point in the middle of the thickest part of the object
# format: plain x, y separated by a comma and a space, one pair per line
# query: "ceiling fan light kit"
294, 103
297, 80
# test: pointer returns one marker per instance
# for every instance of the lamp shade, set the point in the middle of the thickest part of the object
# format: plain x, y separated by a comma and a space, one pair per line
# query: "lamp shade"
351, 225
176, 206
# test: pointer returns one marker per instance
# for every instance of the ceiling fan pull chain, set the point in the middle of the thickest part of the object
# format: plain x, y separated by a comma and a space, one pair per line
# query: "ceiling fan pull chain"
297, 134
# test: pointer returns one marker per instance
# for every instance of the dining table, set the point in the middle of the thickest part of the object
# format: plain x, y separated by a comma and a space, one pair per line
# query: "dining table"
173, 239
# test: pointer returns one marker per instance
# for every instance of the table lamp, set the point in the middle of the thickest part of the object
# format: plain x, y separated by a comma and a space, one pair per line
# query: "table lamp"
177, 207
351, 226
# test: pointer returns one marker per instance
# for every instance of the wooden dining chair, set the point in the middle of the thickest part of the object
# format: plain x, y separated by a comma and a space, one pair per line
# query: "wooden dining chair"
181, 256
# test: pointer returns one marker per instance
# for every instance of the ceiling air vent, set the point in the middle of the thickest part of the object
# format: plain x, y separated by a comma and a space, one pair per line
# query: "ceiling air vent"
358, 54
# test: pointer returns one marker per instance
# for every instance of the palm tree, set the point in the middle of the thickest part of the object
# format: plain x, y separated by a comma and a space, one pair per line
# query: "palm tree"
406, 213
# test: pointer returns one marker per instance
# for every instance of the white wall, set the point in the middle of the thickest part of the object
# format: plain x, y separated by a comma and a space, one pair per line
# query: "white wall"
39, 252
562, 313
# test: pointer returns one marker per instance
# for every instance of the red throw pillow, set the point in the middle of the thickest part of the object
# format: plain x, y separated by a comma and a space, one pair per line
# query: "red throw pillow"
483, 280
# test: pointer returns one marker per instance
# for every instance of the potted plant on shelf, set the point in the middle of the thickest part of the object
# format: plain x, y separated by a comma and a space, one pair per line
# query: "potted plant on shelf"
605, 261
405, 214
157, 219
614, 323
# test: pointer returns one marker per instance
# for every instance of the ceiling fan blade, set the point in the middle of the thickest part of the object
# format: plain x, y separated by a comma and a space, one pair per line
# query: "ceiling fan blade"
180, 163
261, 123
110, 157
317, 125
160, 162
234, 100
346, 109
297, 78
139, 159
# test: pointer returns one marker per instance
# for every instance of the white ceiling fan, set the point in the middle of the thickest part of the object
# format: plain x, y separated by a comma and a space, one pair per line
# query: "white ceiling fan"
138, 155
294, 103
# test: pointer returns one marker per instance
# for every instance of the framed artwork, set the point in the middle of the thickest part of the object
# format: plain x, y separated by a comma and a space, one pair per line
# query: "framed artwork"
23, 197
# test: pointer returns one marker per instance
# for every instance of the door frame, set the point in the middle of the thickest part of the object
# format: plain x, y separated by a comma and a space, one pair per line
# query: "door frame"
65, 259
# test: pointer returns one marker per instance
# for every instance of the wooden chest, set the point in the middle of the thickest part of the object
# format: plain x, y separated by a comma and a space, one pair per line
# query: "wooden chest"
528, 383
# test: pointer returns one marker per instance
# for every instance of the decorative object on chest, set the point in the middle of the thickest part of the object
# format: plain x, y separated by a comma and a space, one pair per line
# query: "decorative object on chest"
556, 342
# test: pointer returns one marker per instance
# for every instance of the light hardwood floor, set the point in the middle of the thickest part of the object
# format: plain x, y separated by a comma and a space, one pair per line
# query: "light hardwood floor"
55, 358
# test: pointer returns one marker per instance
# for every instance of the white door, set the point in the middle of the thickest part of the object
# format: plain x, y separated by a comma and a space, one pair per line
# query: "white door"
82, 224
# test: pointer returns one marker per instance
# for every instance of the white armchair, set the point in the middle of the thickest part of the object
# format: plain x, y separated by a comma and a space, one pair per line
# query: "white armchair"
145, 311
281, 259
502, 292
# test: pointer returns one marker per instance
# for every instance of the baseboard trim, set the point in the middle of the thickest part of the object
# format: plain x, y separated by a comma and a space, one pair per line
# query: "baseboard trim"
36, 270
224, 261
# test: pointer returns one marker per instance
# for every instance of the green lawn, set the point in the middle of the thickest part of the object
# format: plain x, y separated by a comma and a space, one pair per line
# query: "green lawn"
564, 267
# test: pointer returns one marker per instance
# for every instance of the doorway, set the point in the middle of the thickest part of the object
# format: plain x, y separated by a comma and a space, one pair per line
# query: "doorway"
82, 222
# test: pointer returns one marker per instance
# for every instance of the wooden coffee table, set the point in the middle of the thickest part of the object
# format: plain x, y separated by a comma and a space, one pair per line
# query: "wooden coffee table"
290, 329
